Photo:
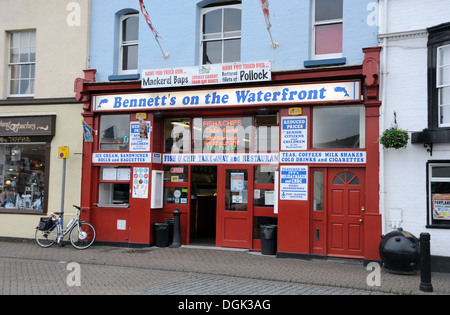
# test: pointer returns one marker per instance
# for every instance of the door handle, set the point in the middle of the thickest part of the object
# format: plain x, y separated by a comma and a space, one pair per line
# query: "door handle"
361, 220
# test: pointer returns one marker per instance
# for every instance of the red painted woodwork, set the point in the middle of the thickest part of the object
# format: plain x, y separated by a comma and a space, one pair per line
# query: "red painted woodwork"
234, 226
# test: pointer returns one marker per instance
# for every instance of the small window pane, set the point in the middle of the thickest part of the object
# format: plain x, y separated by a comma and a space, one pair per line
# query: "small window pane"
113, 194
318, 190
328, 10
440, 171
176, 195
328, 39
338, 127
232, 50
177, 135
232, 20
130, 31
445, 115
212, 22
130, 57
265, 174
114, 132
212, 52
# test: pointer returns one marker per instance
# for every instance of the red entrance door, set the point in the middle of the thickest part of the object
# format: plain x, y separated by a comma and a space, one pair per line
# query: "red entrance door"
346, 198
234, 206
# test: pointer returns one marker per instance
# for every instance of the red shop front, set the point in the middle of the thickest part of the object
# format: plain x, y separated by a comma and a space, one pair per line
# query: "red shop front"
299, 151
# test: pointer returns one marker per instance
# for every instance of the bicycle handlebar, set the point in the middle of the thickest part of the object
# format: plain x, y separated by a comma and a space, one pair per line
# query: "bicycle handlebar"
79, 208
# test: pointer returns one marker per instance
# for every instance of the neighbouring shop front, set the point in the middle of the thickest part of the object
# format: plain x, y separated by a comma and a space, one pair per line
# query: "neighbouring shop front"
24, 163
297, 149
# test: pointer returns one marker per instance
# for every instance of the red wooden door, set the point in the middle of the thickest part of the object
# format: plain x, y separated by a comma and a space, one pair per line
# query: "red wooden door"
346, 198
234, 206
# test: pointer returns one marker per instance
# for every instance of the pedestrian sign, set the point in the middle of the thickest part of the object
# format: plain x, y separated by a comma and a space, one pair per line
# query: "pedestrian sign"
63, 152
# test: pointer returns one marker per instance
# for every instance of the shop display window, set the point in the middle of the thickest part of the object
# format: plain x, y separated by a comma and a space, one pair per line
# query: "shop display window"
439, 194
338, 127
114, 186
177, 135
22, 176
224, 135
114, 132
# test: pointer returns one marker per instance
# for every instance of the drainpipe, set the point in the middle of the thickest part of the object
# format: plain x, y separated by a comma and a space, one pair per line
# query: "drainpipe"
384, 30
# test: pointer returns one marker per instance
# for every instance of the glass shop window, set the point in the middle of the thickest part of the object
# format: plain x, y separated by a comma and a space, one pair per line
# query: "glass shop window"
224, 135
114, 186
439, 194
177, 135
264, 191
338, 127
176, 174
114, 132
22, 176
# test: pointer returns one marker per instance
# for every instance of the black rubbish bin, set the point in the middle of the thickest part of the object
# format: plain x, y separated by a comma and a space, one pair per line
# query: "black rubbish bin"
161, 234
269, 239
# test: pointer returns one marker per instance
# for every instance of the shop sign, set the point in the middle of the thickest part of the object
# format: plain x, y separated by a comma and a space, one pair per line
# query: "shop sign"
121, 158
324, 157
27, 125
294, 182
294, 133
207, 74
219, 158
264, 95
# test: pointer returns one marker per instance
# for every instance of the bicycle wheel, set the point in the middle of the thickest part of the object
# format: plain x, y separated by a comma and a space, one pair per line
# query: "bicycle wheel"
46, 238
82, 235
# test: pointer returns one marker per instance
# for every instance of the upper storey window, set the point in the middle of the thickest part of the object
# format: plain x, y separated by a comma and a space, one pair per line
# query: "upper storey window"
327, 29
21, 63
221, 34
129, 41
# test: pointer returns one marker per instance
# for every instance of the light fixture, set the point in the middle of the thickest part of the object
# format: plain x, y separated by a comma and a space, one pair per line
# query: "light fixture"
263, 111
158, 114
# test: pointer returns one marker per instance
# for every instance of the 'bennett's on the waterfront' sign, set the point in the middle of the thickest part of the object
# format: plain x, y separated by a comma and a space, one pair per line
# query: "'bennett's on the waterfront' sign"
264, 95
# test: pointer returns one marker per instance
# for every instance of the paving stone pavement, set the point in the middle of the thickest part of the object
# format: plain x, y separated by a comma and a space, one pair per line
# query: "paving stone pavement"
25, 268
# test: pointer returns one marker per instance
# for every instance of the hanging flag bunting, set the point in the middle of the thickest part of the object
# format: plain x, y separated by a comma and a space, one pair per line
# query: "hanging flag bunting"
265, 8
150, 24
87, 130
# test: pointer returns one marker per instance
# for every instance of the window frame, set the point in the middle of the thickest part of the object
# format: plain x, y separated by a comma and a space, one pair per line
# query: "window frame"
222, 38
438, 36
435, 223
123, 44
314, 24
11, 64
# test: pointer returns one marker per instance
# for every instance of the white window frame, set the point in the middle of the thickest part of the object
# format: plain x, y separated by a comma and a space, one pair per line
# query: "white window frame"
222, 37
122, 44
11, 64
440, 86
315, 56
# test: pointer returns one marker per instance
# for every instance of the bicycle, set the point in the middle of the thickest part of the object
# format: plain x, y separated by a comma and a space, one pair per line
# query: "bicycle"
81, 234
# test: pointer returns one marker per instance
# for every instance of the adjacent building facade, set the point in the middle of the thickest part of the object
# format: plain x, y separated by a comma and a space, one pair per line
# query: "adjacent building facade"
414, 182
38, 111
238, 117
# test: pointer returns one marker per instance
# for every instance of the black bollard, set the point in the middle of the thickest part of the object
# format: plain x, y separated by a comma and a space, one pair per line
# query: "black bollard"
176, 229
425, 263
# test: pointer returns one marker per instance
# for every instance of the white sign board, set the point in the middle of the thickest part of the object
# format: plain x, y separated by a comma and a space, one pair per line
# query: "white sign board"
294, 182
263, 95
294, 133
207, 74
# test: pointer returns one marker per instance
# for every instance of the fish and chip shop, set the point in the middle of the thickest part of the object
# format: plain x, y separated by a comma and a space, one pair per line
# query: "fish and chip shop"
234, 151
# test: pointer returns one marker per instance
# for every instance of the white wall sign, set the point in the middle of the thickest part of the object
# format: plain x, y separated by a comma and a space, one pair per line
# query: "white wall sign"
294, 133
324, 157
219, 158
263, 95
207, 74
294, 182
121, 158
